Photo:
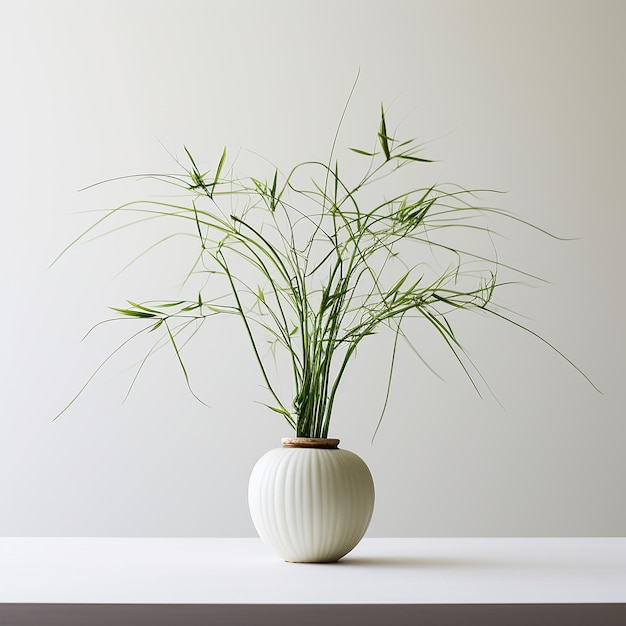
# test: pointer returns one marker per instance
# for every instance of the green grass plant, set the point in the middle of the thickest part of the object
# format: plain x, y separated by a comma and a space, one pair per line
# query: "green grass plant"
313, 262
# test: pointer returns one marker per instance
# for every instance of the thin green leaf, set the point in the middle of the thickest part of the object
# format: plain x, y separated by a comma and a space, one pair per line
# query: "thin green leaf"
133, 312
364, 152
410, 157
156, 326
218, 171
383, 138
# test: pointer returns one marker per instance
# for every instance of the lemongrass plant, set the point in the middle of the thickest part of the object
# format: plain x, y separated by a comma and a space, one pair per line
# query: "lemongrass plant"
314, 264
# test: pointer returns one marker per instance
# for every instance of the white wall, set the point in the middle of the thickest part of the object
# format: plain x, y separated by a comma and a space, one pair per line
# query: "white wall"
527, 97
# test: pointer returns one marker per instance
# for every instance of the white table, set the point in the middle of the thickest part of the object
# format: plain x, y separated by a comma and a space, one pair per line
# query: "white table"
240, 581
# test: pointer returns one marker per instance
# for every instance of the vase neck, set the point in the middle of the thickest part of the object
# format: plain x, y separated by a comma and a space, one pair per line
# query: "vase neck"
309, 442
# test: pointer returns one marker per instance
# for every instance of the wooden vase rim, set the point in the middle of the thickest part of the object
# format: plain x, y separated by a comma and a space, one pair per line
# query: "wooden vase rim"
310, 442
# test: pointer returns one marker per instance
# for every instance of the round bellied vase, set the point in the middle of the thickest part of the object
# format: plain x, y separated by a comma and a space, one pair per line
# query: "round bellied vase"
310, 500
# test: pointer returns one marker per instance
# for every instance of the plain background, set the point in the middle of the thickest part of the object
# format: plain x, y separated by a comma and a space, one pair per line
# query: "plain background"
527, 97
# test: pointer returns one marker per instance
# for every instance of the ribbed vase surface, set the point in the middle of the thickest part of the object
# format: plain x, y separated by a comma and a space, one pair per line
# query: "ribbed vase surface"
311, 504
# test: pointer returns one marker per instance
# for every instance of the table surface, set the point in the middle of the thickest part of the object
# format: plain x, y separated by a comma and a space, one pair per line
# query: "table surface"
377, 571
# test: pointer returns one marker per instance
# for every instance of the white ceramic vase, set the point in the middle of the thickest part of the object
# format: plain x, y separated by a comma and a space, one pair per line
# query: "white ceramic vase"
310, 500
